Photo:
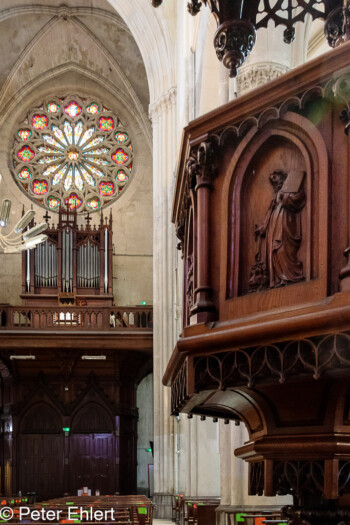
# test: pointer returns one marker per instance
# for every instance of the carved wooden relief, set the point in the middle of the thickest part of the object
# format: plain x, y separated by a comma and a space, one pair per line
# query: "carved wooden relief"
276, 184
279, 236
274, 229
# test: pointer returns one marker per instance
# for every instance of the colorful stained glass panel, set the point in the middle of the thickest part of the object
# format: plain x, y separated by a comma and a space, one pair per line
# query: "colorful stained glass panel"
92, 109
47, 149
78, 131
69, 146
73, 109
120, 157
68, 131
106, 189
95, 171
52, 107
94, 142
69, 179
39, 121
121, 176
24, 174
121, 137
40, 187
73, 201
97, 151
50, 140
93, 203
59, 175
87, 135
24, 134
73, 155
78, 180
106, 123
47, 160
54, 203
98, 161
59, 135
26, 154
50, 169
89, 179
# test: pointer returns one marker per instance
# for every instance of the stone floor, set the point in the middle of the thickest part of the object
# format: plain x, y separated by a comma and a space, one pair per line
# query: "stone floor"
162, 522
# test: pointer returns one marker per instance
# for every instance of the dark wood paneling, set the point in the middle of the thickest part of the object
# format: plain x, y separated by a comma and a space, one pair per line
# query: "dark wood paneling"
39, 457
92, 459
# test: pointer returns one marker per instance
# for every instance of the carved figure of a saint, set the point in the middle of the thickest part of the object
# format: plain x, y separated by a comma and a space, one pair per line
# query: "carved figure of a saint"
279, 236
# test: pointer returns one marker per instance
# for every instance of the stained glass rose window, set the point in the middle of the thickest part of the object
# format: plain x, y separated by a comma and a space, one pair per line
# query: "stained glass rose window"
72, 152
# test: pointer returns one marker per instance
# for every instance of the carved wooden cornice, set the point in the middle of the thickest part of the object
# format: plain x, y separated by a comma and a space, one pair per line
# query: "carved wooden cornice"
277, 362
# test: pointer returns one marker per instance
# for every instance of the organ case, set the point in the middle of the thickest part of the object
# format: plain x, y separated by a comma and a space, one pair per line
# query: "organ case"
73, 267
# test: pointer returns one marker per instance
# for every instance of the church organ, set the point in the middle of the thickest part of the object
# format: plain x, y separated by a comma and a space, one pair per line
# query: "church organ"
74, 265
70, 364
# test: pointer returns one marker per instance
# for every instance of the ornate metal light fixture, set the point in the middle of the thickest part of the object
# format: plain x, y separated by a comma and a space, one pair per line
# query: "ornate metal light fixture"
18, 239
238, 21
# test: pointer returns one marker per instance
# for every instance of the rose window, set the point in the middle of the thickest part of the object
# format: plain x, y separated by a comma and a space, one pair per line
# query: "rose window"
72, 152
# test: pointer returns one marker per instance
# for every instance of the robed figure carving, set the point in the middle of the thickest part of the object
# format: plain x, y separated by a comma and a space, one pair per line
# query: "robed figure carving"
279, 236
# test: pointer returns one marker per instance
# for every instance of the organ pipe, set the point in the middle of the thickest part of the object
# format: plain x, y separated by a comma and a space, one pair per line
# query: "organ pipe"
106, 261
28, 270
88, 267
79, 266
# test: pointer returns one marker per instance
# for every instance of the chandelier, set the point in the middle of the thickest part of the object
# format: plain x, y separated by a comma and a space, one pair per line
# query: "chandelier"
18, 239
239, 20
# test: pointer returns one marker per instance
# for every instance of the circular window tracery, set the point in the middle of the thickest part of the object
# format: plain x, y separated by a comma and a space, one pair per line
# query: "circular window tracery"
72, 152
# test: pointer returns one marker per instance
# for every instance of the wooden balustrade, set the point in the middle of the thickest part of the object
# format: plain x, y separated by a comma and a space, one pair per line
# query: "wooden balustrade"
76, 318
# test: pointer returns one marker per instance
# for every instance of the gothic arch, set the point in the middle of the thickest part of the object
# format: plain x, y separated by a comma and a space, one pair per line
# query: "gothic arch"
91, 417
40, 418
154, 44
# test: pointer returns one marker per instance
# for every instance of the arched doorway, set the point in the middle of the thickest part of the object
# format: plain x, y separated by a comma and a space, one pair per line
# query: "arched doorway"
93, 451
40, 452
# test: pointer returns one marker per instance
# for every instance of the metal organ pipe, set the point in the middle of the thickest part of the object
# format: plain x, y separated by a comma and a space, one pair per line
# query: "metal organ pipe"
84, 262
89, 264
88, 261
55, 265
106, 261
71, 261
63, 261
28, 271
46, 264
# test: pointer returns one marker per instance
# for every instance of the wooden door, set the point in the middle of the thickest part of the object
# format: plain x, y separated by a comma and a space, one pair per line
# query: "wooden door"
40, 456
92, 462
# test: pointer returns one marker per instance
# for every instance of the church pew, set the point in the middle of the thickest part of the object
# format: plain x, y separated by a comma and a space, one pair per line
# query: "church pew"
128, 510
189, 509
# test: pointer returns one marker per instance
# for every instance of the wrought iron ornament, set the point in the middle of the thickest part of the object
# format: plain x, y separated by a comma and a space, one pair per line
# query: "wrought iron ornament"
239, 20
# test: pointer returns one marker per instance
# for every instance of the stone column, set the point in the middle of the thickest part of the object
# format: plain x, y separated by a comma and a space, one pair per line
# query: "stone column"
163, 115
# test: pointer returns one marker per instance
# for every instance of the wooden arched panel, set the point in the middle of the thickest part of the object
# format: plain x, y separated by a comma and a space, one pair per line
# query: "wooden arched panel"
291, 144
40, 452
93, 451
92, 418
41, 419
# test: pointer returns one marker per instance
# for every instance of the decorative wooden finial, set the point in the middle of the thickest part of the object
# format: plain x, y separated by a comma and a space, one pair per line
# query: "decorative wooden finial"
47, 217
88, 219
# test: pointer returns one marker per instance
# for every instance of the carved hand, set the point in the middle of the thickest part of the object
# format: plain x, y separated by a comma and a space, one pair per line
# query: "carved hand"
260, 230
